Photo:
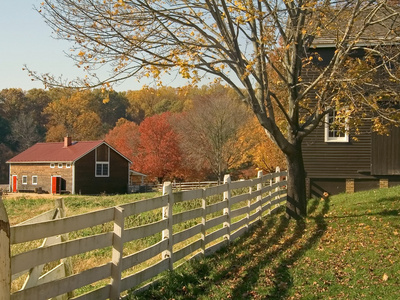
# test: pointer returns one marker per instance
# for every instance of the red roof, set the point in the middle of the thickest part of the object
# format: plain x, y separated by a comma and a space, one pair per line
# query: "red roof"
55, 152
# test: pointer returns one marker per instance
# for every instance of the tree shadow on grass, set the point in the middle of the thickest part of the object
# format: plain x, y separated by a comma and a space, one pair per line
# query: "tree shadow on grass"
256, 266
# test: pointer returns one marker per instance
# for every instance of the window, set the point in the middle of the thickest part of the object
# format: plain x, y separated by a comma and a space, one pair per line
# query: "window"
68, 166
24, 179
34, 180
60, 165
52, 165
335, 128
102, 169
102, 161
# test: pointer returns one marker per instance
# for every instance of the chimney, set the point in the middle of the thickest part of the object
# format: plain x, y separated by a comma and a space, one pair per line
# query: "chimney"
67, 141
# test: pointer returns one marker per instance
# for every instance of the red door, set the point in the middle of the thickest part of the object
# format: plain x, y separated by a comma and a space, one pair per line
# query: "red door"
14, 183
55, 186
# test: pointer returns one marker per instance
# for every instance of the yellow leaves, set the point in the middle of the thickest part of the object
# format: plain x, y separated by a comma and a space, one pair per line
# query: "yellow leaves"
385, 277
106, 100
81, 53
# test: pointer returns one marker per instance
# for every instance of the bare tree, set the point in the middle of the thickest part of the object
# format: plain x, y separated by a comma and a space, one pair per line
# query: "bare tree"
210, 129
247, 44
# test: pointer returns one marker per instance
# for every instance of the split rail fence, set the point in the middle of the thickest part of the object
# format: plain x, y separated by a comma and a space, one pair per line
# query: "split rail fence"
172, 228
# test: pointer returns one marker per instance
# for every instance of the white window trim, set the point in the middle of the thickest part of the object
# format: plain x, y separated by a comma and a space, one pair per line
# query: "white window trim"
60, 165
103, 163
68, 166
337, 139
34, 183
52, 165
24, 179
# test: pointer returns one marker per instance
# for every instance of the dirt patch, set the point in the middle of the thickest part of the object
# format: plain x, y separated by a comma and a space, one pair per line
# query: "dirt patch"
30, 195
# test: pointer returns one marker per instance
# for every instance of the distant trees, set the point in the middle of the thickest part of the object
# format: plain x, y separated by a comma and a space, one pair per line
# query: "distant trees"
209, 131
184, 133
125, 137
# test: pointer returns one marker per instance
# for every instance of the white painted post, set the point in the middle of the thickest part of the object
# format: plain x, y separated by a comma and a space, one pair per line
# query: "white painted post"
277, 180
227, 210
117, 253
5, 255
203, 223
167, 214
259, 198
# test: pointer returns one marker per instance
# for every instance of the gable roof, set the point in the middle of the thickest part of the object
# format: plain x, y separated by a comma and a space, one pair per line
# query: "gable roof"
384, 28
56, 152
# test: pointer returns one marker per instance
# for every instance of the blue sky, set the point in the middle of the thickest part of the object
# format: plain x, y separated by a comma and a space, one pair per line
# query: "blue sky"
26, 39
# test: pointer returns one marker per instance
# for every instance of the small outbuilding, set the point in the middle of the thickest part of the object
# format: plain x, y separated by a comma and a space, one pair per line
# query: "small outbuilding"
84, 167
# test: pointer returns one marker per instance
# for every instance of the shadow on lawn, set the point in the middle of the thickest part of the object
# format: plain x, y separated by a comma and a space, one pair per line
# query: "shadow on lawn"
268, 251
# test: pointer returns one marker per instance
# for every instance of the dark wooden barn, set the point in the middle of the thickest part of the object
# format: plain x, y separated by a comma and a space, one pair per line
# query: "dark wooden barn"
335, 162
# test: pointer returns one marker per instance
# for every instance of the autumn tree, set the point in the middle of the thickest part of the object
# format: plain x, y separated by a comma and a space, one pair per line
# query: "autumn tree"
233, 42
150, 101
125, 138
74, 116
209, 130
159, 154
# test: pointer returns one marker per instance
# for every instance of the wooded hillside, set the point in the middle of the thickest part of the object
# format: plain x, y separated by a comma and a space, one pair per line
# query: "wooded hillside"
158, 129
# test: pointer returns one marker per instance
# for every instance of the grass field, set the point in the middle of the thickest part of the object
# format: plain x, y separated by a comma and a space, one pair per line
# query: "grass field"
347, 248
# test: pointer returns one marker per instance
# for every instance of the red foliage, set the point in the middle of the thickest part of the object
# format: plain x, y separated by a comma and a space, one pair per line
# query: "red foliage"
124, 137
159, 153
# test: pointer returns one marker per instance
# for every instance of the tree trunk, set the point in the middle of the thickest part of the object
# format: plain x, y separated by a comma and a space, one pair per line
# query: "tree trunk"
296, 205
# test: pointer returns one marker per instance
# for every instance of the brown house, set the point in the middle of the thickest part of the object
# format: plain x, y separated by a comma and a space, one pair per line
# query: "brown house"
87, 167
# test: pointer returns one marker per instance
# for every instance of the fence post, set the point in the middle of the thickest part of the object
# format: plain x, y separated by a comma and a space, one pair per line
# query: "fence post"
227, 210
5, 258
277, 180
259, 198
203, 222
117, 253
167, 214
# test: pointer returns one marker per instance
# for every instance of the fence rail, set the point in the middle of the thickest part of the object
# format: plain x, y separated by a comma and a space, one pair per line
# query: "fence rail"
190, 223
187, 186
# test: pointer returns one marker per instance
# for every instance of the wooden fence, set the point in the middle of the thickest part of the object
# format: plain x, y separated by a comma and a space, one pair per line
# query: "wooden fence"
187, 186
191, 224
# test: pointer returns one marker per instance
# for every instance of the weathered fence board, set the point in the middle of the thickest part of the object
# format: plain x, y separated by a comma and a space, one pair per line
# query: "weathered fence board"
215, 222
143, 231
216, 234
143, 255
216, 190
212, 226
188, 233
187, 215
240, 211
26, 260
187, 250
241, 198
65, 285
25, 233
141, 276
219, 206
144, 205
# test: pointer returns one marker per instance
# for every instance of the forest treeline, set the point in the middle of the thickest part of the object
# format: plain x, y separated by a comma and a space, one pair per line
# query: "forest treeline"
187, 133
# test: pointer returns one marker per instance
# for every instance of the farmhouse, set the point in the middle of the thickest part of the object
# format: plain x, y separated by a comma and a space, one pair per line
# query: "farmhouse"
342, 161
85, 167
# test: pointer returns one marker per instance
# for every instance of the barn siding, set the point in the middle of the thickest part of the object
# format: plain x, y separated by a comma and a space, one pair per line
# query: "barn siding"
43, 172
338, 160
87, 183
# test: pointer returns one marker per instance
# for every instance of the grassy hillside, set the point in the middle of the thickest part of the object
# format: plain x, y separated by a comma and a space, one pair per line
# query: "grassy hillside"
23, 208
348, 248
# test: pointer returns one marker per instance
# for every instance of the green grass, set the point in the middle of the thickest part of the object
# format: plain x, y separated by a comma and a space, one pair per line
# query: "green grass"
347, 248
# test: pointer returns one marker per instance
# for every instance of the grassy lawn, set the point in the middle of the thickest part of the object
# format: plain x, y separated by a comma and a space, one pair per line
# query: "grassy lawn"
347, 248
24, 208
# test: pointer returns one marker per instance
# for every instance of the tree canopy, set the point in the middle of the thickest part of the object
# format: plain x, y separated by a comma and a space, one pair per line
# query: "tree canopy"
259, 48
